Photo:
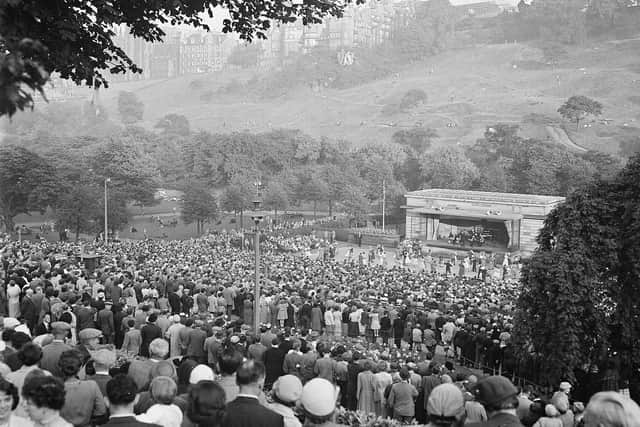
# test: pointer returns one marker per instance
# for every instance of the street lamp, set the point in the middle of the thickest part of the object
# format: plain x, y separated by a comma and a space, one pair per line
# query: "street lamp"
257, 218
106, 233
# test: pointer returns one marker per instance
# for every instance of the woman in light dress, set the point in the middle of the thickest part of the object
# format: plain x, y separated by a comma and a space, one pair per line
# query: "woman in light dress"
13, 295
374, 317
264, 310
282, 315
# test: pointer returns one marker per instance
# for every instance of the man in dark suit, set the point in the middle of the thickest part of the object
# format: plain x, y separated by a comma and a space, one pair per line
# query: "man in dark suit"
105, 322
149, 332
245, 410
174, 302
84, 316
28, 310
186, 301
195, 343
121, 398
273, 361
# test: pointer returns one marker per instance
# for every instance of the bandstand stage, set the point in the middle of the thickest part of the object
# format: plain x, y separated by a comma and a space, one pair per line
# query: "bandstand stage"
477, 219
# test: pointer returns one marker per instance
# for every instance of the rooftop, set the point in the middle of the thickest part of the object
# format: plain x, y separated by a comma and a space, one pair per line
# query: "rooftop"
485, 196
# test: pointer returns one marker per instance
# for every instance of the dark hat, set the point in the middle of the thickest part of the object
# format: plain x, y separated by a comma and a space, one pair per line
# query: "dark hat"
494, 389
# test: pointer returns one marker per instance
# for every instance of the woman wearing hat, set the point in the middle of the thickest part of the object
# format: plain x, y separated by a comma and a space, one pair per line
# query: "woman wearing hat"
318, 403
286, 393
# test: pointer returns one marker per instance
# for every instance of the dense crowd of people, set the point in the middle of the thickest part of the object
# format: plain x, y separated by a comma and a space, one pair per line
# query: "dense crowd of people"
160, 333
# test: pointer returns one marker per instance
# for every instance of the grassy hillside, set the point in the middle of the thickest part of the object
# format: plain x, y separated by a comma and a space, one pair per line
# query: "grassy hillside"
467, 90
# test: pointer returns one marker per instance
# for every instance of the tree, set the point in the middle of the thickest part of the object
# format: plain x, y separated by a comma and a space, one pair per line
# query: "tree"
448, 168
442, 17
558, 296
412, 98
583, 279
78, 207
313, 188
560, 21
130, 108
276, 197
342, 182
237, 196
198, 205
430, 31
416, 142
355, 204
132, 177
417, 138
80, 201
77, 39
27, 183
578, 107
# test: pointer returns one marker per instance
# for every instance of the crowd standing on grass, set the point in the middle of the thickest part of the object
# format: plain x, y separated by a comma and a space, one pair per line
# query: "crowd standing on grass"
160, 334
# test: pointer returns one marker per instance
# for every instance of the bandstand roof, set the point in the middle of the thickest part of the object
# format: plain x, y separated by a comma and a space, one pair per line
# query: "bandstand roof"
486, 197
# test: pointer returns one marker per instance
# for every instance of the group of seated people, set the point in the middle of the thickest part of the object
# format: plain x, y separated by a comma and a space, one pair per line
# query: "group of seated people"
471, 237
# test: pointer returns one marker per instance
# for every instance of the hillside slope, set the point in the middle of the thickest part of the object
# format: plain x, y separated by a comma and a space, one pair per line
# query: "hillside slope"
467, 90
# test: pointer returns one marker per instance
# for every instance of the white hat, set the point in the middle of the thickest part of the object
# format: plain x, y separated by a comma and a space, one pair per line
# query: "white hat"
201, 373
565, 386
23, 328
10, 322
319, 397
288, 388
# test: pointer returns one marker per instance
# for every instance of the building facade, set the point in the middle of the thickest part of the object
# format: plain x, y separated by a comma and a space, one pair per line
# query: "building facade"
498, 221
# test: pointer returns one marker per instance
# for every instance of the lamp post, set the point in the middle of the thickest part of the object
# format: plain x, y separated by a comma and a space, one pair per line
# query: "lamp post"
257, 218
384, 197
106, 232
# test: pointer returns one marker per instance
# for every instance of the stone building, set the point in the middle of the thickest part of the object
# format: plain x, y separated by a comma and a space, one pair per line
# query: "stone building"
488, 221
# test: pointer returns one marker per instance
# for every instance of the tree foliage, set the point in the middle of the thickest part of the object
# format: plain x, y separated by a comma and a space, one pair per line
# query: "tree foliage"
508, 162
198, 205
416, 138
581, 281
79, 204
76, 38
578, 107
430, 31
27, 183
448, 168
276, 197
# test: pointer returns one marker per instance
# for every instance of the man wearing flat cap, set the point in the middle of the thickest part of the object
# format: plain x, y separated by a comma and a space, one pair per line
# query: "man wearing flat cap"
500, 399
52, 351
89, 341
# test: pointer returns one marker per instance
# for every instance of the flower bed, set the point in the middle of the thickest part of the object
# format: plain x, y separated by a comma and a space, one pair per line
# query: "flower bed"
360, 419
